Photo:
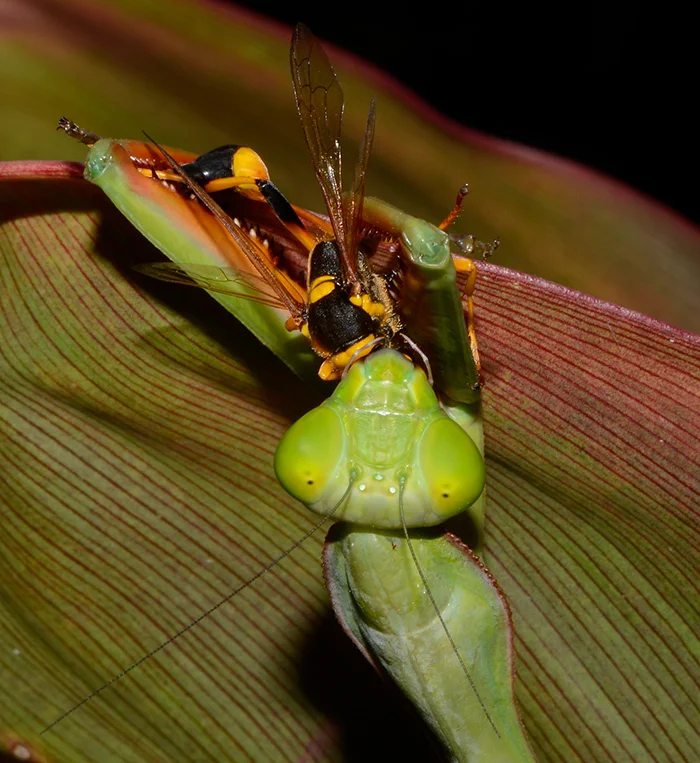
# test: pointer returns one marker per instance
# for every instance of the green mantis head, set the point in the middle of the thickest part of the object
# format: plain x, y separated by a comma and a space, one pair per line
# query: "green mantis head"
381, 440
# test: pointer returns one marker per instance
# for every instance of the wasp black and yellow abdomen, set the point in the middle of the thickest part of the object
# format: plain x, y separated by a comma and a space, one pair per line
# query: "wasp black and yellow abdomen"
216, 164
324, 261
335, 323
340, 326
242, 168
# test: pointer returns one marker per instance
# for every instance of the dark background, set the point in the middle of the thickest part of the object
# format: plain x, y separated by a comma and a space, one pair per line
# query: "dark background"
613, 90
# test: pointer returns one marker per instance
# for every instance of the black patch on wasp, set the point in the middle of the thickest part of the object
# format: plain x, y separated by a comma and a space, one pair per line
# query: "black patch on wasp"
338, 323
348, 311
219, 168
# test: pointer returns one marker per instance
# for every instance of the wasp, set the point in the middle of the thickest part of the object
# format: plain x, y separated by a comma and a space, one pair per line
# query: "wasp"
342, 306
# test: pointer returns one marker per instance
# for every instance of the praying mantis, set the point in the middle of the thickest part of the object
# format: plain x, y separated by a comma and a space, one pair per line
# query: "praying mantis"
397, 448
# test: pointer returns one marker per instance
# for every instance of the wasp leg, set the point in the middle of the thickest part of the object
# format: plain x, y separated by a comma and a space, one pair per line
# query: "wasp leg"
285, 213
456, 209
466, 267
429, 299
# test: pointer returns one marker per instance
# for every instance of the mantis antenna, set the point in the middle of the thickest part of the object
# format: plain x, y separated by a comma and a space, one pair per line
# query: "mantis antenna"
465, 670
205, 614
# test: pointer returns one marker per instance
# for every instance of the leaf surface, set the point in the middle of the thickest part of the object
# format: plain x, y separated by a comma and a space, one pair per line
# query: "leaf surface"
139, 422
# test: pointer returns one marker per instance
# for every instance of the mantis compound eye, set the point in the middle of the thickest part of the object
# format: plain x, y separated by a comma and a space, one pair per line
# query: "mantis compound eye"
307, 458
452, 467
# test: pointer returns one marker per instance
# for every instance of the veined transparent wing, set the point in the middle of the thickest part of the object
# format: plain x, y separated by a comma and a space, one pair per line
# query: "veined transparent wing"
319, 100
216, 278
354, 203
284, 292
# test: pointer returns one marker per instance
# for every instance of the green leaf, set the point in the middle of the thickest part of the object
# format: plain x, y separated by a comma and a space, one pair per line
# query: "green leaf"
139, 423
139, 489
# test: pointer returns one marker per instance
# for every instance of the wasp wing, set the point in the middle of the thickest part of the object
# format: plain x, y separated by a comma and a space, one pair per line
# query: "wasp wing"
355, 202
319, 100
285, 295
212, 278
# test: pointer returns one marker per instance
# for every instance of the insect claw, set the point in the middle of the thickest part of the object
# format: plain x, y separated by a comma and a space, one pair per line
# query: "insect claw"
77, 133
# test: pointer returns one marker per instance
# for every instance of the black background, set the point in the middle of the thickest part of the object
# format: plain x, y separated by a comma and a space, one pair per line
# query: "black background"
611, 89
